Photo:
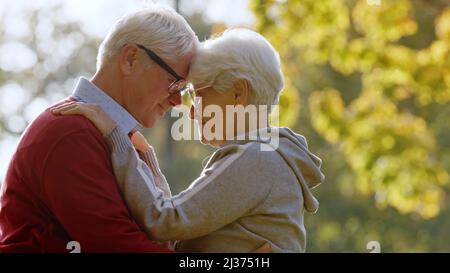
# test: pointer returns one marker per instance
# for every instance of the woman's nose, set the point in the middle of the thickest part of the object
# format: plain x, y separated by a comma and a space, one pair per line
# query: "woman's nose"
175, 99
191, 112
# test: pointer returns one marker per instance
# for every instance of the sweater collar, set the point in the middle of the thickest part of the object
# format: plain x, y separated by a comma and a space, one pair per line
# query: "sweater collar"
86, 91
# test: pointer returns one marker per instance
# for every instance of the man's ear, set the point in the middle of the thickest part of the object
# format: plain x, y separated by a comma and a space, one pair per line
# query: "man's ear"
241, 92
128, 58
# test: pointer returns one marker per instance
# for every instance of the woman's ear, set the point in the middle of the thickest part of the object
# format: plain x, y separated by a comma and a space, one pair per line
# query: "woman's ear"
128, 58
241, 92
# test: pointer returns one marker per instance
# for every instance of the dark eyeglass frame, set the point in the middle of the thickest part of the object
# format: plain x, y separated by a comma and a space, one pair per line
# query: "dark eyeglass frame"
179, 81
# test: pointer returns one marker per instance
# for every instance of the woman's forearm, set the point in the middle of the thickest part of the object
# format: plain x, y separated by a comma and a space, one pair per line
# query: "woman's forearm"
149, 158
217, 198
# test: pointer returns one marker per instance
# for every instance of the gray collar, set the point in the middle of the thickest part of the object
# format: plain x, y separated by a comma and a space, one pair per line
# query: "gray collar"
87, 92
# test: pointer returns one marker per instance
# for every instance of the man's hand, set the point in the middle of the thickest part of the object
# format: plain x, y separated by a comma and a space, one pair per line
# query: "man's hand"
93, 112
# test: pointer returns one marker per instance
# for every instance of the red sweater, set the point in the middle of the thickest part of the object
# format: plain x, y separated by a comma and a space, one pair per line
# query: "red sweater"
60, 187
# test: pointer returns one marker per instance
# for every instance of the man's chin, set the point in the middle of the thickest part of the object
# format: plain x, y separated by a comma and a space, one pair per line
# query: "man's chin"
213, 143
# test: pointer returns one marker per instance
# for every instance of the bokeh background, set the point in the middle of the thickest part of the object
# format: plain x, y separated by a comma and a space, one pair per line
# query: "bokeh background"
368, 84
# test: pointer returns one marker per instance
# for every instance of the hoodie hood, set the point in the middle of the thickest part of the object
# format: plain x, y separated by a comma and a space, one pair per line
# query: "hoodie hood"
306, 165
293, 148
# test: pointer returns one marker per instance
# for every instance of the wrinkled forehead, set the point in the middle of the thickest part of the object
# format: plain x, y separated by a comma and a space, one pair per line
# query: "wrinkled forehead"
182, 65
202, 69
201, 80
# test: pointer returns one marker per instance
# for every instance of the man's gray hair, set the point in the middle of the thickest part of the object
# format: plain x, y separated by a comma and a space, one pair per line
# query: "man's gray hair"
239, 54
158, 28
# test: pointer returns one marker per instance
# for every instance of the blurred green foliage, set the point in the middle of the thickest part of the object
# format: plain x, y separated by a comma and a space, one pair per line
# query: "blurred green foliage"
375, 91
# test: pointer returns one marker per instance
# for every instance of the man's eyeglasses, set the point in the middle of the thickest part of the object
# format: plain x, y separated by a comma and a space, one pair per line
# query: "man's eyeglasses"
179, 85
195, 99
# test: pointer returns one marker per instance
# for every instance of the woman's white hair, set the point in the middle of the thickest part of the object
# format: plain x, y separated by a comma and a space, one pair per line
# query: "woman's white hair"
239, 54
158, 28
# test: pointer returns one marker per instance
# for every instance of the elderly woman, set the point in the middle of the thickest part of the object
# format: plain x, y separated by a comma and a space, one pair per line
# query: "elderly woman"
251, 191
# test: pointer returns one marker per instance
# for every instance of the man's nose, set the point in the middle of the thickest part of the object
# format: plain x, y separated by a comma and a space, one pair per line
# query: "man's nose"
175, 99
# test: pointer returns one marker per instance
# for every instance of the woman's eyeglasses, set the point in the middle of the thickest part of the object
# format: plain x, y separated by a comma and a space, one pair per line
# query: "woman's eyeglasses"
195, 99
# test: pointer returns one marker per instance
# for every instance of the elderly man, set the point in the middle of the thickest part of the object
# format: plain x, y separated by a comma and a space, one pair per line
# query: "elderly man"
60, 185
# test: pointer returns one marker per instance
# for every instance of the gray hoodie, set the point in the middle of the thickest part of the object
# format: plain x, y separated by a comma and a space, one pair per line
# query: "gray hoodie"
250, 192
